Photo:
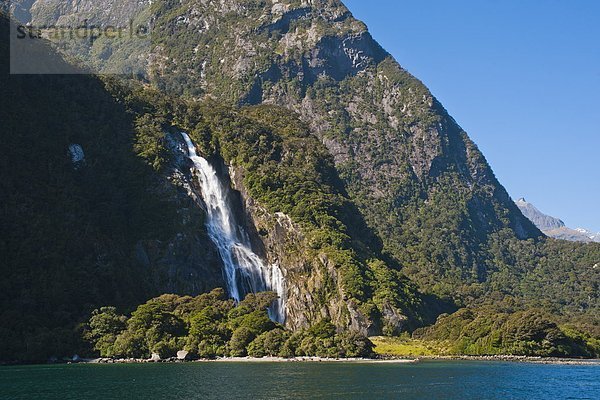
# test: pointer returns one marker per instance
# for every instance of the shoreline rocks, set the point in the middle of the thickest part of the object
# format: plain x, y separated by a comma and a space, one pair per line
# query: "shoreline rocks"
500, 358
381, 359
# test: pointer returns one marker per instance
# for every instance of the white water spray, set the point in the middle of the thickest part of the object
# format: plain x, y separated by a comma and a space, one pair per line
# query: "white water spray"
244, 271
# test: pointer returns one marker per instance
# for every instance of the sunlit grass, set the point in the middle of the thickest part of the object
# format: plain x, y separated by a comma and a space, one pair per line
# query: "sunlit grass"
406, 347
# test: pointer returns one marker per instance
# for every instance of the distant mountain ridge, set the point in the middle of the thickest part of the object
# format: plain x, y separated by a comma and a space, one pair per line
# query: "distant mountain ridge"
542, 221
555, 227
594, 236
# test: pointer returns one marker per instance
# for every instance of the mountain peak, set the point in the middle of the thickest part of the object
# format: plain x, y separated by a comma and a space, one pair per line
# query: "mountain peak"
555, 227
543, 221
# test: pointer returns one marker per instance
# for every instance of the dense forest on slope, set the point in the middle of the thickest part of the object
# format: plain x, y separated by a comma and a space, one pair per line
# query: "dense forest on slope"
395, 215
503, 329
288, 171
68, 233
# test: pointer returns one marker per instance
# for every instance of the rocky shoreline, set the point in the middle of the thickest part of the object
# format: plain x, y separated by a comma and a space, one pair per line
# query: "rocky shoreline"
377, 360
512, 358
251, 360
398, 360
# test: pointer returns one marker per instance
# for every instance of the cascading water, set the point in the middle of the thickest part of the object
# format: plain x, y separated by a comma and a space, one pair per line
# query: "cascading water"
244, 271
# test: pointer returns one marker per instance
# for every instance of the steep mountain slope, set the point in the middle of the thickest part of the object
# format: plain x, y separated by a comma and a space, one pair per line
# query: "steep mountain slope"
418, 179
554, 227
80, 232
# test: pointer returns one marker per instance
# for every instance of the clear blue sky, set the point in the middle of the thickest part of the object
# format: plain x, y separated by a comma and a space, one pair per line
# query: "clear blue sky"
522, 77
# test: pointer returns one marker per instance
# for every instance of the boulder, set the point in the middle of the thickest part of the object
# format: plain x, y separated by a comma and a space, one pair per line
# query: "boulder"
154, 358
183, 355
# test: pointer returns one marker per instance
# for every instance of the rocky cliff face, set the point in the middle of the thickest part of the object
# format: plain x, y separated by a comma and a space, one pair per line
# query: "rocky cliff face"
188, 262
21, 9
385, 130
313, 284
363, 180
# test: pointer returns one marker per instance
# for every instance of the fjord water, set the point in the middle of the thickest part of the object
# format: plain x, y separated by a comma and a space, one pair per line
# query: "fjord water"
426, 380
244, 272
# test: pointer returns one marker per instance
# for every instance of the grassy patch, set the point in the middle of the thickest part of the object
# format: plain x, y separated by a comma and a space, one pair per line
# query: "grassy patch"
399, 346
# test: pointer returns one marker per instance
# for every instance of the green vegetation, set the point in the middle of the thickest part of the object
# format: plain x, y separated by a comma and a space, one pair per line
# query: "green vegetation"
490, 331
495, 330
421, 185
413, 198
410, 215
210, 326
405, 346
68, 233
288, 170
553, 275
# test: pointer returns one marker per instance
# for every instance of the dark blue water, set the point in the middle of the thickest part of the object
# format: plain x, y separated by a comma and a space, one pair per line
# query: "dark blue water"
426, 380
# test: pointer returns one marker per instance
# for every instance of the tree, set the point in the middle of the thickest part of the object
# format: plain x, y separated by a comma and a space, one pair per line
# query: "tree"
268, 344
240, 340
105, 325
353, 344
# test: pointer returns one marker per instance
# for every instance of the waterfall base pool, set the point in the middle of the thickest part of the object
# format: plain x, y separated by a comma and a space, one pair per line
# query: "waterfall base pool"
430, 380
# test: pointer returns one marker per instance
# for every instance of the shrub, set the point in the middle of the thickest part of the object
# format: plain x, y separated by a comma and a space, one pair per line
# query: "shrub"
240, 339
268, 344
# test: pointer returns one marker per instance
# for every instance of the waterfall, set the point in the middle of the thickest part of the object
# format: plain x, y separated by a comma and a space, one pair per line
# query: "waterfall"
244, 271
